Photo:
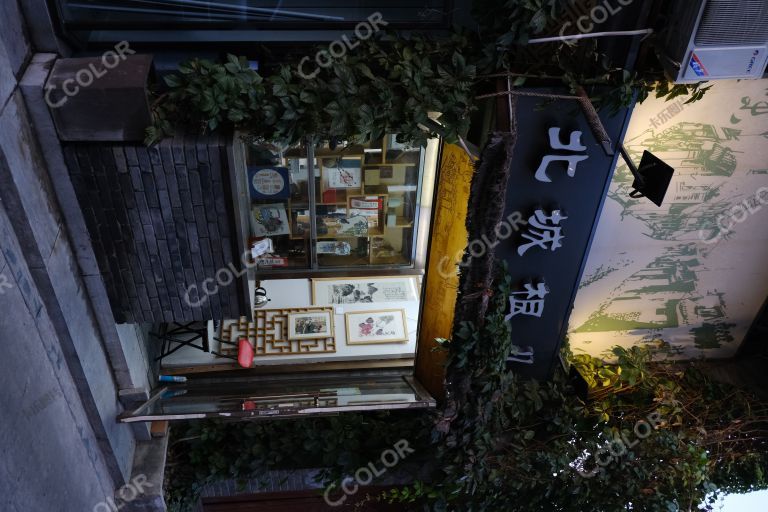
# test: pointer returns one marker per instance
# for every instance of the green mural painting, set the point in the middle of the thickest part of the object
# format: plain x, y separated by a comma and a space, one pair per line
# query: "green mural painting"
687, 278
712, 335
602, 272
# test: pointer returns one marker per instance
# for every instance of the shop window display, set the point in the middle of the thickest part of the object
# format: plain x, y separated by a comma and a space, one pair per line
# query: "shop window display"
362, 203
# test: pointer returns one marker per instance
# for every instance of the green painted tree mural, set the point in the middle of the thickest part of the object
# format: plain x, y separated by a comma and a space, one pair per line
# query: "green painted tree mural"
712, 335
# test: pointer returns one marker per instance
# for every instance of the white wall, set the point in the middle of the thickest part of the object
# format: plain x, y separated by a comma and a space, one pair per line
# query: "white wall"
690, 275
296, 293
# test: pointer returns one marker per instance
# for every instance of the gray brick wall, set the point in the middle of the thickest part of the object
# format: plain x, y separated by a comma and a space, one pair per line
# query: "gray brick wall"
160, 220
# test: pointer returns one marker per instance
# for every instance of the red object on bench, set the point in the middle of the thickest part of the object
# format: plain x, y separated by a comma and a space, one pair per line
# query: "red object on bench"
244, 353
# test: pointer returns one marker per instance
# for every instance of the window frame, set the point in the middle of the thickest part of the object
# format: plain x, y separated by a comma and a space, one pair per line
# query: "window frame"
243, 204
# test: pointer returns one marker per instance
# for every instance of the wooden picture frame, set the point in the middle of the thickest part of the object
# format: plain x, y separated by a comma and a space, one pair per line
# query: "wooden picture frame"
376, 327
364, 290
268, 333
310, 325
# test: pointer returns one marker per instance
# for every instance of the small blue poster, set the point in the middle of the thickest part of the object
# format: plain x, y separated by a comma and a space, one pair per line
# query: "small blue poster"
268, 182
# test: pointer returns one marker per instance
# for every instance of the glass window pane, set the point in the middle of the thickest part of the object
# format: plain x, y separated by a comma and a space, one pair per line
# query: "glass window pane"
279, 195
289, 396
364, 208
367, 203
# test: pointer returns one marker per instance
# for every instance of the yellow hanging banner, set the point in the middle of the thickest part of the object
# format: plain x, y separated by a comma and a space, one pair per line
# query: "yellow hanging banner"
447, 244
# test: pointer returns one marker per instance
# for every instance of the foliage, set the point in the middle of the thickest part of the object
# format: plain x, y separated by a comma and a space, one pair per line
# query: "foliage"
715, 435
664, 89
207, 451
518, 445
416, 86
515, 21
509, 25
388, 85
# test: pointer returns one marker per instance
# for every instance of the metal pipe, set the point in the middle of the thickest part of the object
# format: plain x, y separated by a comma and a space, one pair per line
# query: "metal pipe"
631, 165
590, 35
312, 203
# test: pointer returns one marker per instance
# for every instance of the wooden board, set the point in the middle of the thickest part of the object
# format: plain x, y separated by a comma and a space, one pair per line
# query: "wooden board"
268, 333
449, 239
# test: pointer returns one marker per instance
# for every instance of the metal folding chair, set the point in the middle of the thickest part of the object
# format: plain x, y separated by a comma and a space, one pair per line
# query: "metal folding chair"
174, 336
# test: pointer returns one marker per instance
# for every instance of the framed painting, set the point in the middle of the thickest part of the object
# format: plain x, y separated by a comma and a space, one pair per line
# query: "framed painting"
372, 327
342, 173
268, 183
364, 290
348, 227
337, 247
269, 220
310, 325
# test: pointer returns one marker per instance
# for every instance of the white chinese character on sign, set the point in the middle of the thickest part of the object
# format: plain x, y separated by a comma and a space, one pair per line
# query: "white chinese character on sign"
531, 305
573, 160
547, 231
524, 356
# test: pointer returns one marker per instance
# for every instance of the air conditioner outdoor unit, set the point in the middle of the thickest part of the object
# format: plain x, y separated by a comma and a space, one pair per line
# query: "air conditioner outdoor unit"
716, 39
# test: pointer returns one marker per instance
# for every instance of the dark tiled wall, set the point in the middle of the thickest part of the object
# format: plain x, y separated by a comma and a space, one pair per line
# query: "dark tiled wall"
161, 221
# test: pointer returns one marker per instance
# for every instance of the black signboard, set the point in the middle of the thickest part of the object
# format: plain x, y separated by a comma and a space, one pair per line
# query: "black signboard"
557, 185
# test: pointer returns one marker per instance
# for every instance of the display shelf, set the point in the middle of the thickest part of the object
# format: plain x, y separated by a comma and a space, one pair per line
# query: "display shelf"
400, 223
374, 207
356, 191
358, 253
382, 252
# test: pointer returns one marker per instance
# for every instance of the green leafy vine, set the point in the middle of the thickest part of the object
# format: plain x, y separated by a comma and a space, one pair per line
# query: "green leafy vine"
416, 86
